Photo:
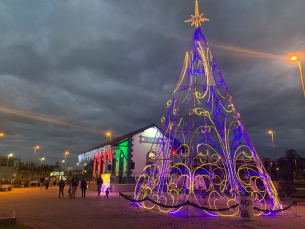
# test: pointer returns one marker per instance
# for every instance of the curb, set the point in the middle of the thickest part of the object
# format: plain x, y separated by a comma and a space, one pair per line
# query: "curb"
6, 221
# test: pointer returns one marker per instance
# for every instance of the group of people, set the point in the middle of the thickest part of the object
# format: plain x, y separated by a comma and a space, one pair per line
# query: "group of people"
74, 183
45, 181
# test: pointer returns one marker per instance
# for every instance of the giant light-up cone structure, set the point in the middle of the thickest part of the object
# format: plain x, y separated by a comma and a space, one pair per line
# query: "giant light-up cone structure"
204, 155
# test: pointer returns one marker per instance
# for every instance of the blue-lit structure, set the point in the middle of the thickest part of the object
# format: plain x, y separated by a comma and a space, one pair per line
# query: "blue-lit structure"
205, 155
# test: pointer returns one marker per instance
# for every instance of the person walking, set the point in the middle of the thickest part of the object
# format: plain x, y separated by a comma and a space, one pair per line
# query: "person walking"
99, 183
70, 188
107, 193
42, 179
47, 182
61, 185
83, 186
75, 183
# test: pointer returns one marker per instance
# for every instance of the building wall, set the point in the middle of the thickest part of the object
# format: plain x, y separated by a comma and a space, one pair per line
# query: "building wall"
7, 170
134, 149
142, 144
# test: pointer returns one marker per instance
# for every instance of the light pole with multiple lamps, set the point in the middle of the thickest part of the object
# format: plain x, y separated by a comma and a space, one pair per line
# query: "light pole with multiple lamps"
276, 168
294, 58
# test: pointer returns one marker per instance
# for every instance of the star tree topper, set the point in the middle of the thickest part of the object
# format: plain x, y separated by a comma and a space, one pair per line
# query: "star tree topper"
197, 19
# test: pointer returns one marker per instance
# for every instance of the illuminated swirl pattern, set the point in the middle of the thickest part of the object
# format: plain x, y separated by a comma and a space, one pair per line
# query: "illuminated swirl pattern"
205, 156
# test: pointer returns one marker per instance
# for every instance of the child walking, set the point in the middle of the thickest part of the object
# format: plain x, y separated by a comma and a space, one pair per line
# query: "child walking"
107, 193
70, 189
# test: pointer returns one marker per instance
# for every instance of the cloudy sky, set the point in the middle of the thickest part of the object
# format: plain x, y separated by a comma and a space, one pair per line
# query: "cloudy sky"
73, 70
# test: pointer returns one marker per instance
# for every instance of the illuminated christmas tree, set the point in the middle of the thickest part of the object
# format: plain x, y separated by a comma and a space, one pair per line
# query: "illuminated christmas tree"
204, 155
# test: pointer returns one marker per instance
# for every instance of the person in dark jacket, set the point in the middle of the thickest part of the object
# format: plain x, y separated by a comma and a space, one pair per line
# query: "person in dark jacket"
61, 185
47, 183
83, 186
75, 183
99, 183
42, 179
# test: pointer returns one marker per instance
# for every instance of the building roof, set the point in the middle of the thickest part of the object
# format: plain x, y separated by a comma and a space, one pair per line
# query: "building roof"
119, 139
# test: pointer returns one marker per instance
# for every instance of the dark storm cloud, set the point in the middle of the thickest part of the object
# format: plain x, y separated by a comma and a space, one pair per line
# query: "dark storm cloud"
111, 65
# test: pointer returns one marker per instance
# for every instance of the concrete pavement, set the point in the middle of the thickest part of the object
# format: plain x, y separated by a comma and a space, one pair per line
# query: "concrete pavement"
43, 209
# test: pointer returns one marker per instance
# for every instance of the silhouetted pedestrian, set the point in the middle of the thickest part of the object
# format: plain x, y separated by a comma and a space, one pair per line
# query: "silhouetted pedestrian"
41, 182
61, 185
107, 193
99, 183
75, 183
47, 182
83, 186
70, 188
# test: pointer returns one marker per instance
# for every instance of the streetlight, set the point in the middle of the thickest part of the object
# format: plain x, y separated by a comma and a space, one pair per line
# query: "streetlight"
109, 134
1, 134
63, 161
41, 159
8, 158
66, 153
270, 132
294, 58
35, 148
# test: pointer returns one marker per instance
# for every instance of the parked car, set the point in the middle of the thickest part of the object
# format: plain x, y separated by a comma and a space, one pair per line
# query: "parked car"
4, 182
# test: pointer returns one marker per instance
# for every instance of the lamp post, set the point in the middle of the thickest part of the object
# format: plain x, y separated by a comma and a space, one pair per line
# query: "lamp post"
294, 58
63, 161
41, 159
8, 158
109, 134
66, 153
271, 132
35, 148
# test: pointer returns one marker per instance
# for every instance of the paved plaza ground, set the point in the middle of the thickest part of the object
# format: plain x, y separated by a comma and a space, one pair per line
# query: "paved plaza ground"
43, 209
